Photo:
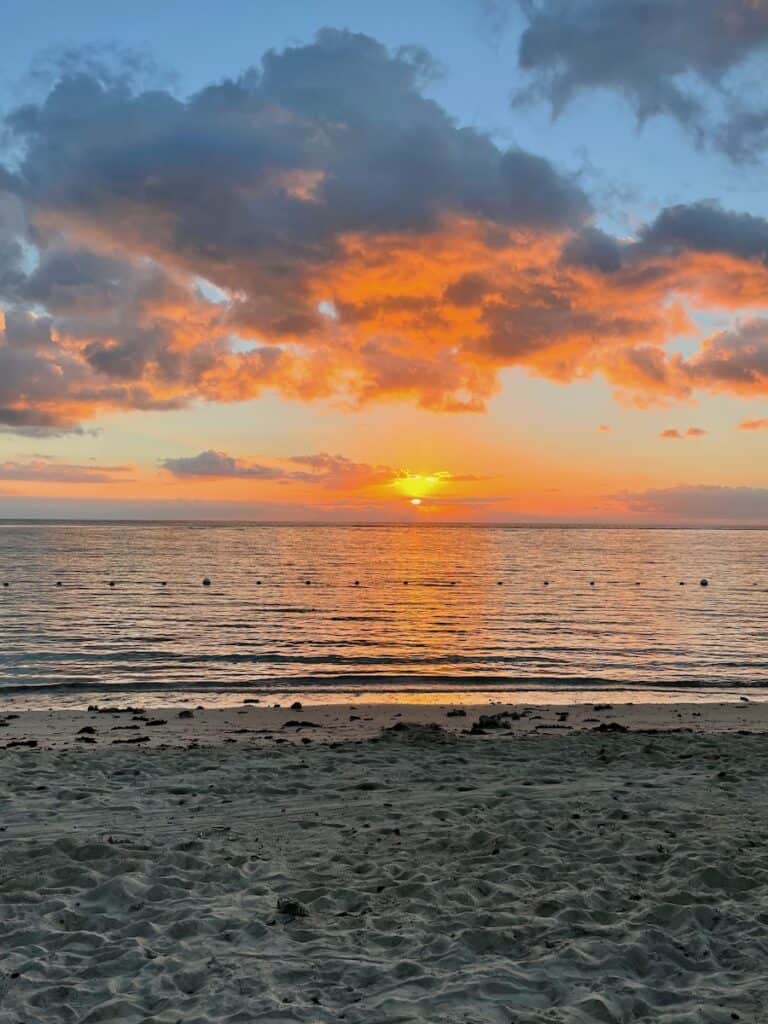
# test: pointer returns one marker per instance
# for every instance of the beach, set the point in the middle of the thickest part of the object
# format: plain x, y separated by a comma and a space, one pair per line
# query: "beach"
380, 863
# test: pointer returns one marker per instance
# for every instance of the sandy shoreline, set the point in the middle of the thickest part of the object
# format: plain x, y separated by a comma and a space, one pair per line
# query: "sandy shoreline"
260, 722
528, 872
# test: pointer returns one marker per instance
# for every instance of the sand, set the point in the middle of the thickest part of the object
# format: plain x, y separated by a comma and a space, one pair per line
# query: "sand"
539, 870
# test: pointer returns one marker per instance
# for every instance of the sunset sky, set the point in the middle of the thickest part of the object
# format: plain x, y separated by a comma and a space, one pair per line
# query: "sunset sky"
313, 261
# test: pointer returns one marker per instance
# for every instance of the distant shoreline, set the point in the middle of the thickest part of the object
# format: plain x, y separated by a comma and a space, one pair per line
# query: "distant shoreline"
373, 524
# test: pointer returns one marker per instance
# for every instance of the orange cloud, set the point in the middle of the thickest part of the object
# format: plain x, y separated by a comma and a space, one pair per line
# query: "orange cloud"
673, 434
429, 318
754, 424
326, 231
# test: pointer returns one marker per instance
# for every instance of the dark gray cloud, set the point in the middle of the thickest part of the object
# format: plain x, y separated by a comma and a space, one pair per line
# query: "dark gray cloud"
707, 227
593, 249
700, 503
230, 174
13, 229
744, 135
212, 463
738, 357
704, 227
663, 56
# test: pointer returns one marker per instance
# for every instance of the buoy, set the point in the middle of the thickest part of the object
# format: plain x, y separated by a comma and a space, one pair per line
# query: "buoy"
206, 582
546, 583
357, 583
682, 584
164, 583
500, 583
58, 583
111, 583
704, 583
405, 583
308, 582
591, 583
6, 584
258, 583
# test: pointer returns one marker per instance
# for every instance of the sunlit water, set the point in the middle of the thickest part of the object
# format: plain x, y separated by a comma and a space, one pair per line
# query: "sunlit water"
438, 611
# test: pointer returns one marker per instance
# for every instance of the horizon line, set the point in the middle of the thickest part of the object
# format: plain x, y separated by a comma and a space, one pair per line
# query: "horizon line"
368, 524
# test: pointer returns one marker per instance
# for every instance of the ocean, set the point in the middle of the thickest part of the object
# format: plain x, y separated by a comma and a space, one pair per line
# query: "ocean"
105, 612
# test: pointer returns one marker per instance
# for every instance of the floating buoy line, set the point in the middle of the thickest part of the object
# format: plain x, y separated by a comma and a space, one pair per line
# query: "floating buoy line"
208, 582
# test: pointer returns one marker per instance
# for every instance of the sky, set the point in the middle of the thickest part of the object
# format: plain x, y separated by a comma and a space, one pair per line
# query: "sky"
466, 260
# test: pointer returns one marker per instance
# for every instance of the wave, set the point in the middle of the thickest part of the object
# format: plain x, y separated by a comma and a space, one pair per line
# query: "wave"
412, 683
117, 657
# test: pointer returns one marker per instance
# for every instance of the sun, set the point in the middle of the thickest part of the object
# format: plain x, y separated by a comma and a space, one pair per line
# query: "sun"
415, 501
418, 485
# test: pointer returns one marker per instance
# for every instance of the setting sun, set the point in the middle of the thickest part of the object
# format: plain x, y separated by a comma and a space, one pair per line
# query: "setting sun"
418, 485
415, 501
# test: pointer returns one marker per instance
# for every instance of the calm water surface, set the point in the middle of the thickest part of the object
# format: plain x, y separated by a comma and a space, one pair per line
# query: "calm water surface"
437, 609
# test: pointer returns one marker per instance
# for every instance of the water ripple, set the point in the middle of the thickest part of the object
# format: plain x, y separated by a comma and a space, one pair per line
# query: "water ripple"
428, 608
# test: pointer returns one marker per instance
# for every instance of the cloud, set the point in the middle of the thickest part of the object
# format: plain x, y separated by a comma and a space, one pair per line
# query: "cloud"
698, 503
319, 227
671, 57
340, 473
220, 465
707, 227
261, 186
336, 472
673, 434
333, 471
51, 471
737, 359
754, 424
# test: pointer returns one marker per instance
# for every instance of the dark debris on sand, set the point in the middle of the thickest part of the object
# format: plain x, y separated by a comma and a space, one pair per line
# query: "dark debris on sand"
427, 732
291, 907
498, 720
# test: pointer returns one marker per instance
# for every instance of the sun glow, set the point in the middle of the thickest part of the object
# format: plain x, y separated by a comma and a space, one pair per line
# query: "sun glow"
418, 485
415, 501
